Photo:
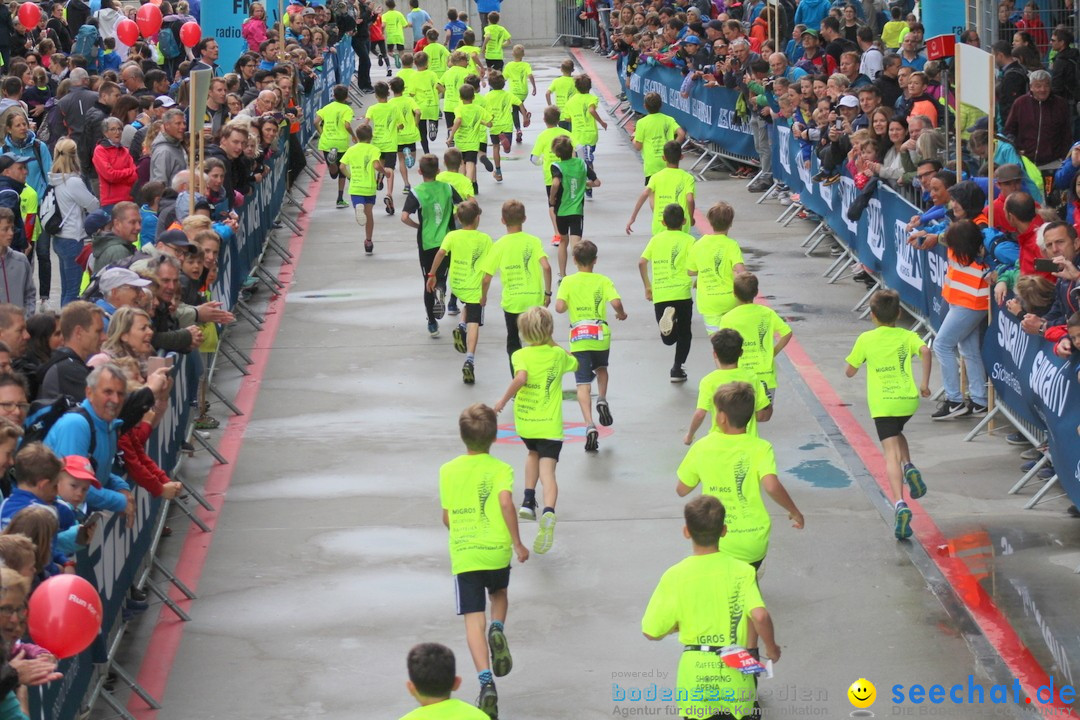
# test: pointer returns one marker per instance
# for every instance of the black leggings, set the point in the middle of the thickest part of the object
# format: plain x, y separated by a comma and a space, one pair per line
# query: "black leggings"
513, 340
516, 109
424, 127
297, 160
449, 120
683, 332
427, 257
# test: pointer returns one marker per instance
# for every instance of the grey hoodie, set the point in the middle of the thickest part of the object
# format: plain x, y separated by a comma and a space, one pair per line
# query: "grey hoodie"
167, 158
74, 200
17, 281
109, 249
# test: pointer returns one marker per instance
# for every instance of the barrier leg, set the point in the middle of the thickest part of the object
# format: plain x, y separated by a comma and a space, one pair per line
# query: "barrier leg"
227, 403
311, 174
813, 234
796, 208
787, 213
195, 493
271, 282
271, 240
233, 348
185, 509
1029, 475
982, 424
288, 221
115, 705
773, 190
1038, 497
234, 362
867, 296
177, 583
169, 602
839, 265
240, 311
135, 687
286, 257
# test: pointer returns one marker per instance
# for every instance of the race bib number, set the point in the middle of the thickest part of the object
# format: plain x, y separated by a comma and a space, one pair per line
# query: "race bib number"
586, 331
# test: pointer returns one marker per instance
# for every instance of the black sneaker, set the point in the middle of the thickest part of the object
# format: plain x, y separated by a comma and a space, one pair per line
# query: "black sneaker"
486, 162
1073, 511
459, 339
678, 375
501, 662
439, 308
1018, 439
948, 410
592, 439
978, 410
468, 376
527, 511
488, 702
433, 129
604, 412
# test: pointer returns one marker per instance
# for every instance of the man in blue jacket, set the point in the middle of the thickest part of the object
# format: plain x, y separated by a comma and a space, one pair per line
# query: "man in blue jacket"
99, 413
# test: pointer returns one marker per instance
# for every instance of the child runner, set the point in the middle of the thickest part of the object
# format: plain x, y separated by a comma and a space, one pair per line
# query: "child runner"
524, 270
472, 53
452, 174
385, 123
583, 121
424, 87
585, 294
333, 123
377, 34
432, 679
670, 185
519, 75
537, 391
468, 130
455, 29
438, 55
892, 396
450, 85
709, 600
654, 131
361, 163
569, 179
433, 203
408, 133
407, 70
562, 88
417, 19
543, 155
727, 348
735, 468
467, 248
394, 23
716, 260
764, 333
496, 37
500, 104
476, 492
670, 287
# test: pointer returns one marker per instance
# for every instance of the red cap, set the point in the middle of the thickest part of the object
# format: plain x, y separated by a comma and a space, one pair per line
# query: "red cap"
80, 468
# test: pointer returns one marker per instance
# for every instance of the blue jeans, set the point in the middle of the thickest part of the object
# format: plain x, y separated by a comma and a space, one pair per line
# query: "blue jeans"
70, 272
962, 330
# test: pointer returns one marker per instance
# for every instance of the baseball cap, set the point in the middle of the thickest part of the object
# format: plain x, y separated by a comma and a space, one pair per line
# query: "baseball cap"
308, 11
80, 468
1009, 172
691, 40
176, 238
849, 101
119, 277
8, 159
980, 124
715, 25
202, 203
95, 221
810, 32
164, 101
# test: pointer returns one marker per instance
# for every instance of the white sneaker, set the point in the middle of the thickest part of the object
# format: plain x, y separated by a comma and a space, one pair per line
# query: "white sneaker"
44, 305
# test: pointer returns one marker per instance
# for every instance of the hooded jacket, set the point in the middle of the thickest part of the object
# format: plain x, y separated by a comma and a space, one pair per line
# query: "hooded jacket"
116, 170
11, 198
1065, 74
811, 12
17, 281
167, 158
110, 249
37, 173
74, 200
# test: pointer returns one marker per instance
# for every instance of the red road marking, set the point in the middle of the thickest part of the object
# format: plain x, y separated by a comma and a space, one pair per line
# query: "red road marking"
164, 643
993, 624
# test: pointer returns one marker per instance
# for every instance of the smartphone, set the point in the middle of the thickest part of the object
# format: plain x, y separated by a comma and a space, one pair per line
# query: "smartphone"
1044, 265
82, 536
155, 362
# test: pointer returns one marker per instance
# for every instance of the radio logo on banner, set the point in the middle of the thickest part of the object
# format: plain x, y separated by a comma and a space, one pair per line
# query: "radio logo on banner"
826, 194
907, 257
875, 228
785, 148
847, 196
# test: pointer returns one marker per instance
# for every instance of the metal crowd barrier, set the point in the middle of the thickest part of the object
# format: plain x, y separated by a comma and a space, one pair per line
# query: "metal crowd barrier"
570, 29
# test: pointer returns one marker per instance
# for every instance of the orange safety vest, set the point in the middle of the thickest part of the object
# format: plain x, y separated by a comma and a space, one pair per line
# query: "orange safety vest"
966, 285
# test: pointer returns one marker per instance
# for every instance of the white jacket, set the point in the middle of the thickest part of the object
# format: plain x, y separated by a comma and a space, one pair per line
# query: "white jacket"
74, 200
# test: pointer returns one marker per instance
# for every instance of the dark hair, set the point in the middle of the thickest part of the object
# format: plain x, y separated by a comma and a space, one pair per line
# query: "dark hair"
432, 667
672, 152
1021, 205
429, 166
585, 253
831, 23
704, 518
674, 216
36, 462
745, 287
727, 344
885, 304
41, 328
382, 90
970, 197
964, 239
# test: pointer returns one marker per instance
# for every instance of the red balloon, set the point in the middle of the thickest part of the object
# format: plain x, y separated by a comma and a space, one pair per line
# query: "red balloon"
155, 2
190, 34
65, 615
127, 32
148, 19
29, 14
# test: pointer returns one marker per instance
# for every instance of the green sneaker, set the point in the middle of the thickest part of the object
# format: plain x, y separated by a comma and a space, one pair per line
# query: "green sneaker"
488, 702
206, 422
914, 481
501, 662
902, 528
341, 204
545, 536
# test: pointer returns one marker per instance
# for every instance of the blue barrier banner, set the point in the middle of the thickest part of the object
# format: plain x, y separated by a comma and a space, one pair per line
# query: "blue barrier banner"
708, 114
1040, 388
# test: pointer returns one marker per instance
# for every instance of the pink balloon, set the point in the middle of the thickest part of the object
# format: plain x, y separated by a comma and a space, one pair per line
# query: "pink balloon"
148, 19
127, 32
29, 14
65, 615
190, 34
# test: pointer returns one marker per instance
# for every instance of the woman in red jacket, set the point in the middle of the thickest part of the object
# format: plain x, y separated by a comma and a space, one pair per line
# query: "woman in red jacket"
114, 165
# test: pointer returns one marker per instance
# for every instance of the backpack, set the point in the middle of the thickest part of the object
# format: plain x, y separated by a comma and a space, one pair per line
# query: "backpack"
168, 45
44, 414
52, 220
85, 43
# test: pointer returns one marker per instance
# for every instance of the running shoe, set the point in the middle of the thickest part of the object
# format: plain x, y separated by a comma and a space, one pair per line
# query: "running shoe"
545, 536
332, 156
518, 138
389, 203
369, 247
468, 372
488, 702
1018, 439
433, 329
433, 129
486, 162
501, 662
459, 339
831, 180
498, 175
341, 204
588, 193
678, 375
667, 321
556, 239
592, 439
1032, 454
978, 410
439, 309
902, 529
410, 159
380, 60
505, 140
914, 481
361, 215
406, 190
397, 61
1046, 473
527, 511
604, 412
948, 410
389, 72
452, 308
380, 180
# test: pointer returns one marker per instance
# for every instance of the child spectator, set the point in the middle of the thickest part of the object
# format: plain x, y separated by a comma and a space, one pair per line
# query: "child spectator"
18, 288
481, 544
150, 194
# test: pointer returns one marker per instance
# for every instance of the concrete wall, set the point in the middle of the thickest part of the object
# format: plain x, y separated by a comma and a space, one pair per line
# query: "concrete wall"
531, 23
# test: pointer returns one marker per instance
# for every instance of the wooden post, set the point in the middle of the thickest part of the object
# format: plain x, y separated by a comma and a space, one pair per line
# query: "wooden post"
956, 77
202, 160
991, 124
191, 157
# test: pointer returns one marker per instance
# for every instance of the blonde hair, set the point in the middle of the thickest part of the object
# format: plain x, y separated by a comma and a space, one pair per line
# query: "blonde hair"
535, 326
16, 551
121, 323
66, 157
194, 224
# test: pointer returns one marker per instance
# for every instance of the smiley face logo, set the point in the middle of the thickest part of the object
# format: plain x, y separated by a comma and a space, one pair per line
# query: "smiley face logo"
862, 693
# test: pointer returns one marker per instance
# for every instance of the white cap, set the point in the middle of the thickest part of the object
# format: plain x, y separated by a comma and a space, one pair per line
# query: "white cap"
849, 101
119, 277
